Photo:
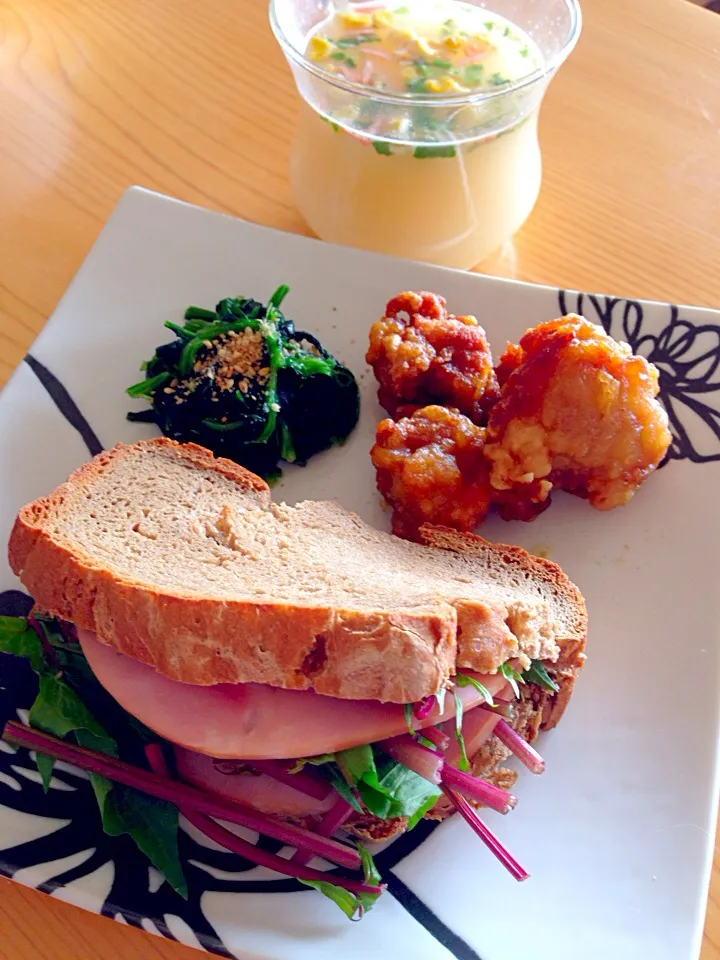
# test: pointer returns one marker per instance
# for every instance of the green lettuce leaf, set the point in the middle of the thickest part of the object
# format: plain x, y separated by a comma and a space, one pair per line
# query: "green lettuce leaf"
345, 791
512, 676
347, 901
538, 674
152, 824
61, 711
412, 795
386, 788
45, 767
463, 680
58, 710
464, 763
352, 905
19, 639
372, 876
376, 799
409, 717
317, 761
356, 764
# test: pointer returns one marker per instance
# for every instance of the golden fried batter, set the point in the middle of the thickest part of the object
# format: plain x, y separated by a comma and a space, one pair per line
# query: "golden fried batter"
577, 411
423, 355
431, 469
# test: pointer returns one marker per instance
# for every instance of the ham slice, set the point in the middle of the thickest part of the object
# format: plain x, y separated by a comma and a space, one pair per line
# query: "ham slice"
255, 790
477, 727
251, 720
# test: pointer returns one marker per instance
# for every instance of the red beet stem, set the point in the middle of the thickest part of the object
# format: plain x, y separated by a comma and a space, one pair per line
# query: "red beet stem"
181, 794
423, 761
425, 707
440, 739
227, 839
156, 759
431, 765
479, 790
304, 781
330, 822
486, 835
502, 708
521, 748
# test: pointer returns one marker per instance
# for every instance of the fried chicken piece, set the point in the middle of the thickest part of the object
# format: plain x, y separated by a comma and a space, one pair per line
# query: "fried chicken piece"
431, 469
423, 355
578, 413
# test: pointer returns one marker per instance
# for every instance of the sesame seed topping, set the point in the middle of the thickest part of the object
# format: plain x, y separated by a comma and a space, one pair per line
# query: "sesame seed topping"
233, 360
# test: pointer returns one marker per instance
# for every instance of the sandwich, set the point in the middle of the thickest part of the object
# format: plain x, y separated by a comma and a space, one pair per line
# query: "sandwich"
291, 668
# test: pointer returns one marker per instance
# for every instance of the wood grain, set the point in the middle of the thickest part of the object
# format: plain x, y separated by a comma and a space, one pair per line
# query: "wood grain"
36, 926
192, 98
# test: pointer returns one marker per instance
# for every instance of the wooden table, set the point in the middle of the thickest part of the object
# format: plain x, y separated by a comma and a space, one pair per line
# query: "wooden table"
192, 98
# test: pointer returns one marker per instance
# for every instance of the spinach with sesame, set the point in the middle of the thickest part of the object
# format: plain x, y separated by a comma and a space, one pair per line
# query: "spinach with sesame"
243, 382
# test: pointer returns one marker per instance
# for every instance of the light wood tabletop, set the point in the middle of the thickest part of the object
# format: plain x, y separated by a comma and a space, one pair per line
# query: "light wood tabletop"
192, 98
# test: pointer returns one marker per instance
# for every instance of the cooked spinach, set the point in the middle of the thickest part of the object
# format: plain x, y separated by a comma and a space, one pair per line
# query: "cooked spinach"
243, 382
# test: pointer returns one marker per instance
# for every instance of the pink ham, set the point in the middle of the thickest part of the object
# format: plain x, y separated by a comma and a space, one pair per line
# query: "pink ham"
250, 720
477, 727
258, 791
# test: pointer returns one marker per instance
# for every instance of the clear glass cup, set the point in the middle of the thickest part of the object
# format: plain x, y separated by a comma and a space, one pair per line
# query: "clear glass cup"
451, 177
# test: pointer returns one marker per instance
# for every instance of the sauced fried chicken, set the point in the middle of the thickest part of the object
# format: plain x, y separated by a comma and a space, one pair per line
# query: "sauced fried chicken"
431, 469
578, 412
423, 355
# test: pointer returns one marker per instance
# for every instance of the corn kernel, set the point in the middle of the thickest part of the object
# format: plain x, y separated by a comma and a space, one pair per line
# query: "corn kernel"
457, 87
477, 43
424, 46
318, 48
353, 19
453, 43
383, 18
445, 85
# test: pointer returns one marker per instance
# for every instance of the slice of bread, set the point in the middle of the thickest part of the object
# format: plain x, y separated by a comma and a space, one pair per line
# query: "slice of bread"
182, 561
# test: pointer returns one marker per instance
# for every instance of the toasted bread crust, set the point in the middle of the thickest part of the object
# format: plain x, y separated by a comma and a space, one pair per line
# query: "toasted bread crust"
571, 659
193, 639
400, 655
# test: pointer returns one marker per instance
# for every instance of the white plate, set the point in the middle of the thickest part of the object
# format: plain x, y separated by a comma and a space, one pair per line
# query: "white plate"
618, 833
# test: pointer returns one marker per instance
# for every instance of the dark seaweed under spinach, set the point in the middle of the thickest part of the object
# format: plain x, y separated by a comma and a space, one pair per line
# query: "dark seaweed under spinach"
308, 401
